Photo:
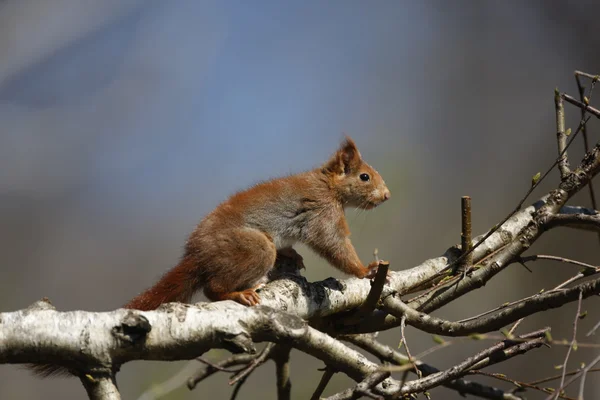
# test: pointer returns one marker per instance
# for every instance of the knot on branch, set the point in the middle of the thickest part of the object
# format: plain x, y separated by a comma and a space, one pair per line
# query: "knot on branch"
574, 180
43, 304
558, 196
133, 328
238, 343
281, 324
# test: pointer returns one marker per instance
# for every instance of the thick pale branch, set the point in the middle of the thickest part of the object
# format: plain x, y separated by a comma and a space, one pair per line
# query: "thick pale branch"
177, 332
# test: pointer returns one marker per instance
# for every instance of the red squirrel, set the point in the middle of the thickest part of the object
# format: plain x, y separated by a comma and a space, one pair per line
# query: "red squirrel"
234, 247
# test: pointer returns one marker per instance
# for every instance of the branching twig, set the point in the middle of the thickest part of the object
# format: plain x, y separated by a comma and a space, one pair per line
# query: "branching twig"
386, 353
255, 363
535, 184
496, 353
218, 367
578, 374
573, 344
403, 341
586, 145
518, 384
237, 359
364, 388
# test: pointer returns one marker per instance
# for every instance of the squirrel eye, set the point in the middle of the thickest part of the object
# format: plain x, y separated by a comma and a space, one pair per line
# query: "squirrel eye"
364, 177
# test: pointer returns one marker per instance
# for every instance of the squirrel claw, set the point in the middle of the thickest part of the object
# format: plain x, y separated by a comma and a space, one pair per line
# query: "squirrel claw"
247, 297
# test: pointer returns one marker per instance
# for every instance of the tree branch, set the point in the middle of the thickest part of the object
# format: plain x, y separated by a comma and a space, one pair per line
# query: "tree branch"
494, 321
386, 353
101, 387
577, 221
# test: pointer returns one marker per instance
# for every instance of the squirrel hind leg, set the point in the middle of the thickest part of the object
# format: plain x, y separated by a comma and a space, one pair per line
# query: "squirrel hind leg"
243, 259
247, 297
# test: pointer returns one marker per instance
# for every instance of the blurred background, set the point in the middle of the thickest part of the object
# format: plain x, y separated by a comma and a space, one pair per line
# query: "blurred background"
123, 122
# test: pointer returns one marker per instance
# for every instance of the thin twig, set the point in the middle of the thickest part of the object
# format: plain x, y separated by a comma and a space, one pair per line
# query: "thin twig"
581, 105
593, 330
573, 344
323, 383
565, 283
217, 366
586, 145
554, 377
237, 359
585, 74
466, 235
534, 185
403, 340
592, 268
388, 354
363, 388
440, 346
561, 136
578, 374
262, 357
239, 385
517, 384
499, 352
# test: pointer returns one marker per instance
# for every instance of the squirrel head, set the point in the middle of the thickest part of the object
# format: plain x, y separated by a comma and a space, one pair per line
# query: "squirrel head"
355, 182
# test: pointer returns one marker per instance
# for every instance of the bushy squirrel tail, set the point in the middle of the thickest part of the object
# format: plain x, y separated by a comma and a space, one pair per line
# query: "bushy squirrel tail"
177, 285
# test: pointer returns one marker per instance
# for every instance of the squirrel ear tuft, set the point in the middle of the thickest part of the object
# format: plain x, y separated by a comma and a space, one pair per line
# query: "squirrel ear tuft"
346, 159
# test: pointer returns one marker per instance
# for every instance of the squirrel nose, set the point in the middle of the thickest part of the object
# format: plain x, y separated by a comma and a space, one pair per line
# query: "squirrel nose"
386, 194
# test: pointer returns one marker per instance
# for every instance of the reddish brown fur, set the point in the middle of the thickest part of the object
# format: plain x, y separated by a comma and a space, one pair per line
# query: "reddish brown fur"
232, 249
